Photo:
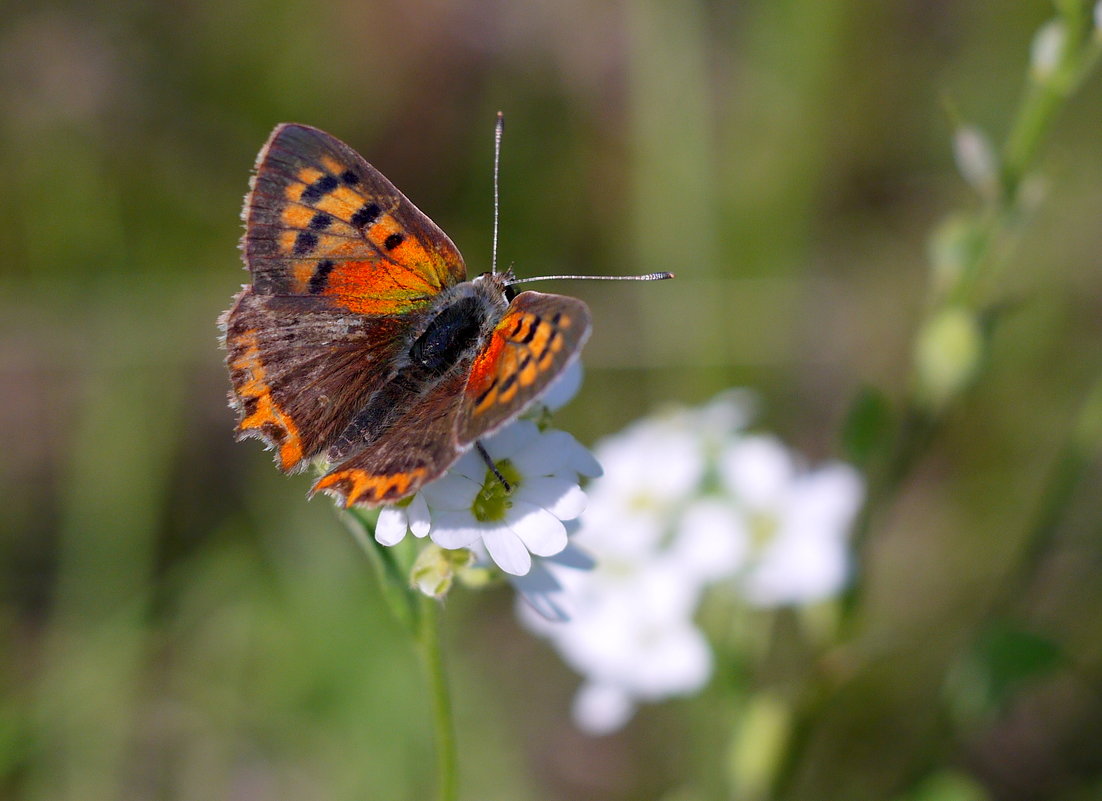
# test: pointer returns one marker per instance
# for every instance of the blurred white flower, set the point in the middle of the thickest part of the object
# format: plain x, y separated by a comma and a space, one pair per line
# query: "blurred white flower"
631, 635
687, 500
799, 521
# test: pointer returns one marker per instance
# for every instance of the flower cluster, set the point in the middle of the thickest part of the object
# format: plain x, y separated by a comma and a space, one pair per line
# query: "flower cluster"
689, 499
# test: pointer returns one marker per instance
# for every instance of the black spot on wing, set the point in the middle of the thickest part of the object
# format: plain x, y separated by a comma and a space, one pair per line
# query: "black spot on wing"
393, 241
305, 242
320, 221
321, 276
349, 178
528, 337
367, 214
319, 189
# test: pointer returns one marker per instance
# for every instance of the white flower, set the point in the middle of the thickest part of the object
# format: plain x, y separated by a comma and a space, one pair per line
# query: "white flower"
799, 521
631, 635
469, 504
687, 500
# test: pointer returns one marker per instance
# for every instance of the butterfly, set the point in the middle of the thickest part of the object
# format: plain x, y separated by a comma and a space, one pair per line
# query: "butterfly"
360, 338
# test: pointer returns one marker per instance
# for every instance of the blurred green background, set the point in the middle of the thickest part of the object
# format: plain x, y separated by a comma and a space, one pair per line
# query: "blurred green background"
179, 623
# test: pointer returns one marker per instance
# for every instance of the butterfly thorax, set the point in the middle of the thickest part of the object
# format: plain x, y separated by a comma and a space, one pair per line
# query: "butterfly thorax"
458, 322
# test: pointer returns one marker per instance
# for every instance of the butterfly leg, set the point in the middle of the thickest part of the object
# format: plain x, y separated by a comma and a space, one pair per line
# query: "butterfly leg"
490, 464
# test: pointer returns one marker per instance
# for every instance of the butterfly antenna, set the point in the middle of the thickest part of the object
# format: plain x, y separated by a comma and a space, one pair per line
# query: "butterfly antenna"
490, 464
647, 277
499, 130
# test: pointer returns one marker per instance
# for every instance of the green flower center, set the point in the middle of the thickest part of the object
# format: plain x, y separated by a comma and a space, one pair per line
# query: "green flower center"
492, 501
763, 528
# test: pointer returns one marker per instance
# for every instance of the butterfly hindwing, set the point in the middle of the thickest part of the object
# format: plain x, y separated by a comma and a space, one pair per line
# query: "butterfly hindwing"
408, 455
536, 339
322, 221
300, 369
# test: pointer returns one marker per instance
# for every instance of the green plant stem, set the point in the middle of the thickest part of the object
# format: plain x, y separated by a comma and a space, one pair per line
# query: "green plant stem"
1082, 447
428, 638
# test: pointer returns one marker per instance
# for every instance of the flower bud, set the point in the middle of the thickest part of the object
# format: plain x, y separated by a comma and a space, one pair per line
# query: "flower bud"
434, 569
947, 354
976, 160
1046, 50
954, 245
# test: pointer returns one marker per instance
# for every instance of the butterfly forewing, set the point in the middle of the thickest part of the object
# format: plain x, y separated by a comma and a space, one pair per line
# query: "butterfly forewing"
322, 221
531, 345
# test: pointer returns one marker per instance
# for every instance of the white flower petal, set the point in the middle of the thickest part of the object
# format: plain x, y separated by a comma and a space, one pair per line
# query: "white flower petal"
712, 540
512, 439
830, 496
470, 466
797, 571
561, 497
543, 593
601, 708
391, 526
420, 519
453, 529
451, 493
565, 387
545, 455
757, 470
507, 551
540, 531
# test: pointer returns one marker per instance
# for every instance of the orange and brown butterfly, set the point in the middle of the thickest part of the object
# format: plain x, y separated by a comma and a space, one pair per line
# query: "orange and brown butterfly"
360, 338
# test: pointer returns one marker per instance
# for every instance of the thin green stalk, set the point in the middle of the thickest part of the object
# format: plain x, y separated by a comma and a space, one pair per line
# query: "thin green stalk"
419, 614
1082, 448
428, 638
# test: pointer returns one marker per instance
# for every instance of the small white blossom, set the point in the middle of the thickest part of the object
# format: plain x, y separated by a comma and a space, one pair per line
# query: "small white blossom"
799, 522
469, 504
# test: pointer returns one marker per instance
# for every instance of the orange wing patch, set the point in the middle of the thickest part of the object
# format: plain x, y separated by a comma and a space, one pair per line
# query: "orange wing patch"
354, 486
351, 247
500, 372
261, 415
